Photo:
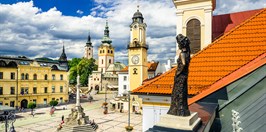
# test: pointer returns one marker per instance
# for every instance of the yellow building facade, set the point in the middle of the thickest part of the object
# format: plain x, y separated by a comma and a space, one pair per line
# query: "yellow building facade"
23, 81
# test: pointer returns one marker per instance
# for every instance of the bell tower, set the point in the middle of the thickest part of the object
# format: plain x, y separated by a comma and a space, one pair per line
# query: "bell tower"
137, 51
88, 48
194, 20
105, 51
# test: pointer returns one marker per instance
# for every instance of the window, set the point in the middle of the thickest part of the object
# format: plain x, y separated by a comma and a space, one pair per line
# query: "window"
22, 91
61, 77
89, 48
111, 52
12, 90
102, 61
35, 77
34, 101
53, 98
12, 103
1, 75
22, 76
26, 90
45, 89
110, 61
27, 76
61, 89
108, 51
34, 90
1, 90
45, 77
53, 89
53, 76
125, 87
12, 75
45, 101
61, 99
125, 78
100, 51
103, 51
194, 35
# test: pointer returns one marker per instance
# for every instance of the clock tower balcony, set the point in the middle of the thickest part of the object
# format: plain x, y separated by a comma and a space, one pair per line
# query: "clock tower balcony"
137, 45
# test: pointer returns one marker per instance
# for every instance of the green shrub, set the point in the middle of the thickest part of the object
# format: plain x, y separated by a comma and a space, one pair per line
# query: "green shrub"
53, 103
31, 105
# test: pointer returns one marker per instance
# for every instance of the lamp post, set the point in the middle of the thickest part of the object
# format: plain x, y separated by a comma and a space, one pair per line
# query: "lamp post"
128, 127
105, 101
8, 117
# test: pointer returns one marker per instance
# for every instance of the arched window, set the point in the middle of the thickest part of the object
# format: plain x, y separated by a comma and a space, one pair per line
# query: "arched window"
89, 48
100, 51
102, 61
35, 77
194, 35
27, 76
110, 61
103, 51
108, 51
22, 76
45, 77
2, 63
111, 52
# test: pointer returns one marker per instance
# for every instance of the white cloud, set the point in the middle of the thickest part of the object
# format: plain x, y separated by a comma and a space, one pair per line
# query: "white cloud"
80, 12
27, 30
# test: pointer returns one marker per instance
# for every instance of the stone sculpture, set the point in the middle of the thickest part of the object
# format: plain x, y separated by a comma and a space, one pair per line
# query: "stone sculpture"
179, 105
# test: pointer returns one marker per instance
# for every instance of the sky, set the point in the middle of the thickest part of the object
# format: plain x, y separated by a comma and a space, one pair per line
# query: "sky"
39, 28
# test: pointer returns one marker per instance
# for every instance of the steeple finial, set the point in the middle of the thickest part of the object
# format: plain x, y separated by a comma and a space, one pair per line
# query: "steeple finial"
89, 39
137, 7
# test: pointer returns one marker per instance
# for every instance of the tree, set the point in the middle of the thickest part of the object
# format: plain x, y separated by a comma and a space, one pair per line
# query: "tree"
53, 103
31, 105
84, 68
74, 62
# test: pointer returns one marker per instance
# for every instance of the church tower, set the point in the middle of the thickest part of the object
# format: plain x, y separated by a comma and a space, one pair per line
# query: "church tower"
194, 20
105, 51
88, 48
137, 51
63, 59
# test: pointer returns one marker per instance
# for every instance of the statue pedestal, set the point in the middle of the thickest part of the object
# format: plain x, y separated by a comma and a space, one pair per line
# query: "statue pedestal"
188, 123
77, 117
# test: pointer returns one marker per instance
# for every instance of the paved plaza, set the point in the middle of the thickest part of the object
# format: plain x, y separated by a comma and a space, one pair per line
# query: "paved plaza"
43, 122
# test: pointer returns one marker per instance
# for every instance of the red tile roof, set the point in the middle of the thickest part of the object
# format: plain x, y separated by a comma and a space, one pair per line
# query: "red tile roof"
152, 66
125, 69
234, 50
221, 24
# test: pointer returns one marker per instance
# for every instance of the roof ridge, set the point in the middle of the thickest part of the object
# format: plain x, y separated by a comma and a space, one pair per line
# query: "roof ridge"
155, 79
229, 32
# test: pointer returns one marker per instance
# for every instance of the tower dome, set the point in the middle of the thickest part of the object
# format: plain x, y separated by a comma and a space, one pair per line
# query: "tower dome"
138, 17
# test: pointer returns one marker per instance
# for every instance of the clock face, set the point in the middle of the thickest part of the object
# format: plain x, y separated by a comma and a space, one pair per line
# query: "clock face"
135, 59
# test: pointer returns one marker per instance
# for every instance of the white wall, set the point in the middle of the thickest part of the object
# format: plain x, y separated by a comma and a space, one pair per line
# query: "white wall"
151, 115
121, 83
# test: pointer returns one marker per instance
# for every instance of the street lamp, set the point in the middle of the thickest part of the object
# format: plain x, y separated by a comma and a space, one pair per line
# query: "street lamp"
128, 127
8, 117
105, 101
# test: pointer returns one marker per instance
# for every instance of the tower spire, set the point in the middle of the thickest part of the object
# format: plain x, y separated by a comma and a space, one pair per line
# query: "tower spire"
106, 38
89, 40
63, 56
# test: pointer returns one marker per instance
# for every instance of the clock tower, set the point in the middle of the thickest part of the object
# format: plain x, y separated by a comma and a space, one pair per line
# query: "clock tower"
137, 51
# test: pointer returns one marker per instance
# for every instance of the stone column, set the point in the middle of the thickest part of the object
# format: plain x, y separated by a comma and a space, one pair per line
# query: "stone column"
77, 93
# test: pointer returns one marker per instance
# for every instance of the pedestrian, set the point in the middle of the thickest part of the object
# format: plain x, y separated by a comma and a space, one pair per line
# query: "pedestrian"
33, 113
62, 118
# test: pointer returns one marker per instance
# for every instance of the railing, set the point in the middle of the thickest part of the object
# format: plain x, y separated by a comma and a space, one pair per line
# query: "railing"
137, 45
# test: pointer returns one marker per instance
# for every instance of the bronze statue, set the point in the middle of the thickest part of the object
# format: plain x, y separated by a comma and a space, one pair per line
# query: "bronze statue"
179, 105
